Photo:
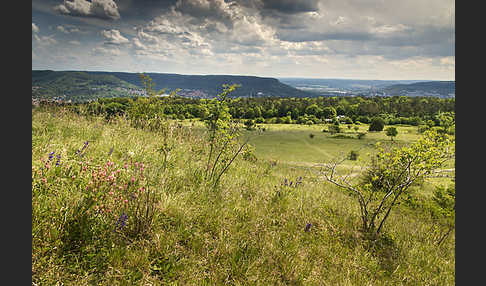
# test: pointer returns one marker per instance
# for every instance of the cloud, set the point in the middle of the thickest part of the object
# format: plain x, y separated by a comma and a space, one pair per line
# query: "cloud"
112, 51
35, 29
101, 9
291, 6
67, 30
62, 29
45, 40
272, 36
113, 37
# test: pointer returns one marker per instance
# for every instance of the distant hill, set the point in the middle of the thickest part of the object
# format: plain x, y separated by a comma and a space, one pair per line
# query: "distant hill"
85, 85
429, 88
78, 86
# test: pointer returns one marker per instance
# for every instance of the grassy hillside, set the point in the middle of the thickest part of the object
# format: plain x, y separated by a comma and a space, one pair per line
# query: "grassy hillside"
253, 229
78, 86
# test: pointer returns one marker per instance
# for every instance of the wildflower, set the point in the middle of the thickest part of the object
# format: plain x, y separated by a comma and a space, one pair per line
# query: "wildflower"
307, 227
51, 155
58, 159
121, 221
111, 151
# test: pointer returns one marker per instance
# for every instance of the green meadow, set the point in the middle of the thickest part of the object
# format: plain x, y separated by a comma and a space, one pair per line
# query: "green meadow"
117, 205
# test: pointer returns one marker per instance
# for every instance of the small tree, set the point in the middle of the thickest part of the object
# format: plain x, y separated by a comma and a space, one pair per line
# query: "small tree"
223, 144
391, 131
377, 124
390, 175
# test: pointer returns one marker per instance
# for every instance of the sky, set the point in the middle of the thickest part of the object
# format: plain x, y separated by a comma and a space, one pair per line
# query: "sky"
349, 39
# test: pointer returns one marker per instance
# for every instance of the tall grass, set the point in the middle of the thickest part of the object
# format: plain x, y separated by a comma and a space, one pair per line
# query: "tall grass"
256, 230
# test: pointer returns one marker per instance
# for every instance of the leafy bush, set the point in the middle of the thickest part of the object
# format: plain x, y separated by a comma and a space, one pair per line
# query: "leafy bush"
353, 155
334, 129
377, 124
391, 132
390, 175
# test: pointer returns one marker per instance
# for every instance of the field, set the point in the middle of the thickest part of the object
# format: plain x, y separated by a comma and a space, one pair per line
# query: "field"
252, 229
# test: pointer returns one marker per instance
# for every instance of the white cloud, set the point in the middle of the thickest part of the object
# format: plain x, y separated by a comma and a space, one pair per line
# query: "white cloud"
114, 37
62, 29
102, 9
35, 28
44, 41
106, 51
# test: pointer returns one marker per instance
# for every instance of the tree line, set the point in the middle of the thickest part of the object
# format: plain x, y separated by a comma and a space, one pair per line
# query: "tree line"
393, 110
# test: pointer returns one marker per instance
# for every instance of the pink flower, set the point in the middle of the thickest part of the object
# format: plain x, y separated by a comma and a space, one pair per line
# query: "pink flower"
125, 201
133, 179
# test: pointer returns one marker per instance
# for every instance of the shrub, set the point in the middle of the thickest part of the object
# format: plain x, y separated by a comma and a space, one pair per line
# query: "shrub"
250, 124
259, 120
390, 175
392, 132
377, 124
334, 128
361, 135
353, 155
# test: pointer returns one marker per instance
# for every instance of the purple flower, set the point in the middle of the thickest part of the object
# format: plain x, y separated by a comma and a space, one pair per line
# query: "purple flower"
82, 149
307, 227
51, 155
58, 159
121, 221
